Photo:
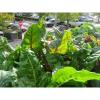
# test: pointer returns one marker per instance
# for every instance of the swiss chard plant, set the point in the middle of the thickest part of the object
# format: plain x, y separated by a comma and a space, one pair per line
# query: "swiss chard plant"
39, 60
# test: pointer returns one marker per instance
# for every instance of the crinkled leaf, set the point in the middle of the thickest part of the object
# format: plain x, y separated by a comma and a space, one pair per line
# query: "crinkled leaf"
67, 74
30, 73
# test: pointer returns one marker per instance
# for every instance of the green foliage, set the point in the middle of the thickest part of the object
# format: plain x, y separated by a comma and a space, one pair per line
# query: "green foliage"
92, 59
7, 78
4, 45
37, 63
33, 36
30, 73
67, 16
43, 14
85, 28
6, 57
66, 44
66, 74
4, 17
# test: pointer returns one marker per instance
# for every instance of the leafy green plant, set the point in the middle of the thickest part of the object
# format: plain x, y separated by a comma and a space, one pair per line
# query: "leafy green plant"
33, 40
30, 73
86, 27
33, 36
68, 74
36, 63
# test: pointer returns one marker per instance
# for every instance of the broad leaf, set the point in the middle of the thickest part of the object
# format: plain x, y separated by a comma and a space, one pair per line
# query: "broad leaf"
67, 74
30, 72
66, 44
32, 38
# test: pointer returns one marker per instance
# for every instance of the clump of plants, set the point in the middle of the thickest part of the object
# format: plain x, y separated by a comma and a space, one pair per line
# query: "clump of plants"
66, 61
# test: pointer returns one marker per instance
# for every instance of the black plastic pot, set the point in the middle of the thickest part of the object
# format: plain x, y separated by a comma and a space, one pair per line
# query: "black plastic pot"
11, 36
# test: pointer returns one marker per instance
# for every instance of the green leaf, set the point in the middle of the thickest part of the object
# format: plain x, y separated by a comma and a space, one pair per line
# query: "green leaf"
30, 73
67, 74
6, 57
66, 44
7, 78
4, 45
32, 38
87, 28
